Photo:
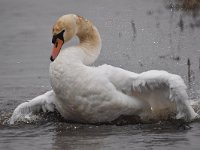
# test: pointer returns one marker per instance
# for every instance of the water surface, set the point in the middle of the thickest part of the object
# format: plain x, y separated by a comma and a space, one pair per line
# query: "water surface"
137, 35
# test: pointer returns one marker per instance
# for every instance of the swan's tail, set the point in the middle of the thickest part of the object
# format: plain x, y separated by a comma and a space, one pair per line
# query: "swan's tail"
43, 103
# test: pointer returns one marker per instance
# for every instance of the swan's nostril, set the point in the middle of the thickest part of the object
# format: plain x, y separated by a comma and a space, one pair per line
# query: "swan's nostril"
51, 58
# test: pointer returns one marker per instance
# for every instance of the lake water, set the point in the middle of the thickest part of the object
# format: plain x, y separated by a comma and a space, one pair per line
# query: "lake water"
137, 35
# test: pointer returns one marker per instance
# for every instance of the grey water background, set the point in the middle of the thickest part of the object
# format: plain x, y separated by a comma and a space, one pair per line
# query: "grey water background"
137, 35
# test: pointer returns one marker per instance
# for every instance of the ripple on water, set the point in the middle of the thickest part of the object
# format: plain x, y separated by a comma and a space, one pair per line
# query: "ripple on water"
51, 131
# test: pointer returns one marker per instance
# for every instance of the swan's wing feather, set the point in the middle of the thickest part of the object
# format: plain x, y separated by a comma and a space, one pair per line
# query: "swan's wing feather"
44, 102
155, 88
174, 90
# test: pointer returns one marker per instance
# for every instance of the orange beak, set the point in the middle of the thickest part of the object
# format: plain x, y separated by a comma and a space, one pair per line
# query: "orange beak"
56, 49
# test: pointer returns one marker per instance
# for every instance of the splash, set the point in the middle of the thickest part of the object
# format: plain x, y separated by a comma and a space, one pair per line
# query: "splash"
196, 106
122, 120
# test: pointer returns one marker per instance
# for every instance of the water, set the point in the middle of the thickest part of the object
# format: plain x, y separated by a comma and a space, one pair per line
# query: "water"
60, 135
137, 35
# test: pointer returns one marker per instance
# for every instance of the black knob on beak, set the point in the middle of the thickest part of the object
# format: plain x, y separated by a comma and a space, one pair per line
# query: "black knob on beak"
51, 58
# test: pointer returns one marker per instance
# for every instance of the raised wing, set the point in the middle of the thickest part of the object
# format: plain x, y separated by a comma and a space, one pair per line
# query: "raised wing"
163, 93
164, 89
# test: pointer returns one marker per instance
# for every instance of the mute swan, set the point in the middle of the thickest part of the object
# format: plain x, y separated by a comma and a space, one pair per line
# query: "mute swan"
102, 94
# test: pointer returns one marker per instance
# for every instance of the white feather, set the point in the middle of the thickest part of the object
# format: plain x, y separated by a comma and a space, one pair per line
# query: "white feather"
102, 94
40, 103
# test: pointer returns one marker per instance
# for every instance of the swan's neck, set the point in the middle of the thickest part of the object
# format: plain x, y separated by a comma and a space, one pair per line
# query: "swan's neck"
90, 41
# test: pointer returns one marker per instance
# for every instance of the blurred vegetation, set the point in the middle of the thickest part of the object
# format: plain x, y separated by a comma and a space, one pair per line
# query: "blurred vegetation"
189, 4
184, 4
192, 6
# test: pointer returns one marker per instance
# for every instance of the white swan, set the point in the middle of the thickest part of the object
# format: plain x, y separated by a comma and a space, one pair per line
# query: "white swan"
102, 94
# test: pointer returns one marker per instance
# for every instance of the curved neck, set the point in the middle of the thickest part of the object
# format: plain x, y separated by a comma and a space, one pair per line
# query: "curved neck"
90, 40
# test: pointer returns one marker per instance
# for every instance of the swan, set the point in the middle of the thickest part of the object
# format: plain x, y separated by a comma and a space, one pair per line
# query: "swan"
89, 94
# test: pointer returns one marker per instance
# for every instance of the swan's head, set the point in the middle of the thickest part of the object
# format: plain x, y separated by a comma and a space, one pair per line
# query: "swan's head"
63, 30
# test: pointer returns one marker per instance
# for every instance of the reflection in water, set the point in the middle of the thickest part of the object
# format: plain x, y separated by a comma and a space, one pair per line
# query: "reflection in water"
133, 29
90, 137
77, 136
54, 133
181, 23
184, 14
189, 71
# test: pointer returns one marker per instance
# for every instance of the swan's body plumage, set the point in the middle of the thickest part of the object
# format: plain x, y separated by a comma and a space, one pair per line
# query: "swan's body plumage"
102, 94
